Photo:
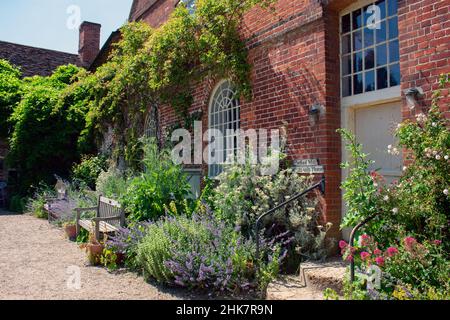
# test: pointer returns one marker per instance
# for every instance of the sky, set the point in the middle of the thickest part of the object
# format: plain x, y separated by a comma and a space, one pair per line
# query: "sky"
53, 24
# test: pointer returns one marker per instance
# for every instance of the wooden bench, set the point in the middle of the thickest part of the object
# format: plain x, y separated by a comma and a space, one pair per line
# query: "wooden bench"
109, 217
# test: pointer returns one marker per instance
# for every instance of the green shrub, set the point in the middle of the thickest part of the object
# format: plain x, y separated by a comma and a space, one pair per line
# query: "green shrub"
154, 251
46, 125
10, 93
88, 170
161, 183
112, 183
17, 204
37, 208
83, 236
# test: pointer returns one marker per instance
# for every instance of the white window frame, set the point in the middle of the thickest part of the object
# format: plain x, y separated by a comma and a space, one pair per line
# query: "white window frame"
366, 98
350, 104
229, 121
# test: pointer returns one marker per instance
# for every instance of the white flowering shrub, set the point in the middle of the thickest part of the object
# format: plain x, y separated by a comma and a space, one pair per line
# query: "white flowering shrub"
243, 194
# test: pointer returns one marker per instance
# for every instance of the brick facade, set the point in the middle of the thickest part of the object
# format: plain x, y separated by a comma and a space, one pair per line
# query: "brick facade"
294, 53
424, 34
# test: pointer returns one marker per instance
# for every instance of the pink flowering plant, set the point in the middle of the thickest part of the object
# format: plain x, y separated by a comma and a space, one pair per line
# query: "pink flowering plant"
408, 234
411, 267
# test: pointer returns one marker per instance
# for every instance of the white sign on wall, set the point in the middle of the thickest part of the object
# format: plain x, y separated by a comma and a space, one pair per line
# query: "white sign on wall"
308, 166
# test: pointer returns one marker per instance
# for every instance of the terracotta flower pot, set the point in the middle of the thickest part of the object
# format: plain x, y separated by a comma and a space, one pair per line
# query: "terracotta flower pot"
94, 252
71, 231
95, 249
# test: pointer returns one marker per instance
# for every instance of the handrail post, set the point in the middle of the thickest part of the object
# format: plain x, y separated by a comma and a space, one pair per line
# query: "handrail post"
352, 240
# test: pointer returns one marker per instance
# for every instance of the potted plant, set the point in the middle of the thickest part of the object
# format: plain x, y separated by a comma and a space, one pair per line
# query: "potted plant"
70, 229
94, 249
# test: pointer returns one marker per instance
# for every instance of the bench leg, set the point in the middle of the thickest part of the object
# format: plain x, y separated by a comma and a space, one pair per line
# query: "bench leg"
78, 222
97, 230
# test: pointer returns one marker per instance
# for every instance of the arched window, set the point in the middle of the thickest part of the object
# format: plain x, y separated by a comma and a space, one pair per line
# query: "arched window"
150, 124
224, 115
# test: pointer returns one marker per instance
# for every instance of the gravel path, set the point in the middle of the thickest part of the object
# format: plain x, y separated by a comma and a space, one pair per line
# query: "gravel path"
34, 261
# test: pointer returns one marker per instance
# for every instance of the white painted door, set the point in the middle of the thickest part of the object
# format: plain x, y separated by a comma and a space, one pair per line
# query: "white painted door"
374, 128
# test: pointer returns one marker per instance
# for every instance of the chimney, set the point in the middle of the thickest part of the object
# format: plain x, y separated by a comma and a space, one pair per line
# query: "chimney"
89, 45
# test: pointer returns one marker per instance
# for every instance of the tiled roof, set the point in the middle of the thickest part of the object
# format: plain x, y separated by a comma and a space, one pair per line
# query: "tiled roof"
36, 61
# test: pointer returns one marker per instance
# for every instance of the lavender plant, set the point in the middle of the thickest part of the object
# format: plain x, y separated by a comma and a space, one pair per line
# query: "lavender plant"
204, 253
126, 242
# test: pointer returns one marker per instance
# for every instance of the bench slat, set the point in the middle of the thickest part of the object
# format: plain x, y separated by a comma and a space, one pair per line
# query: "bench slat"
104, 226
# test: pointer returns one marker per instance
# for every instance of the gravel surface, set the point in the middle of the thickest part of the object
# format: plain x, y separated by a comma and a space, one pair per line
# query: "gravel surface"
35, 259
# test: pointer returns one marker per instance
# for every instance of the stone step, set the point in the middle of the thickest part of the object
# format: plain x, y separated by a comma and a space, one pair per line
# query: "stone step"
309, 284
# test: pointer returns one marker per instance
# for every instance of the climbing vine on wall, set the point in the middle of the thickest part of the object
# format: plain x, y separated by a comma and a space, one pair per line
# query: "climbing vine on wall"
153, 67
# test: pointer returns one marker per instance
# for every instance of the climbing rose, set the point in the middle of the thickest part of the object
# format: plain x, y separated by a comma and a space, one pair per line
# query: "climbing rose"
365, 255
437, 242
349, 258
391, 251
377, 252
379, 261
342, 244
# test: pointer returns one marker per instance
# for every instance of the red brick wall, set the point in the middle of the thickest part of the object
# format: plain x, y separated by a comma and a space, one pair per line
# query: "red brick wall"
154, 12
292, 69
424, 35
294, 53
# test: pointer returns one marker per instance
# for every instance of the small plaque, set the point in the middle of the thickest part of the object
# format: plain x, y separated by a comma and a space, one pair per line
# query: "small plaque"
308, 166
306, 163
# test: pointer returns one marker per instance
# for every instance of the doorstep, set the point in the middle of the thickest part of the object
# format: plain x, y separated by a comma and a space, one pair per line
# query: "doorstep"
310, 283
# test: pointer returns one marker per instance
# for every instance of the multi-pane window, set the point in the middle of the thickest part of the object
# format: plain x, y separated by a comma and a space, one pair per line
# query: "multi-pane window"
370, 48
190, 5
224, 116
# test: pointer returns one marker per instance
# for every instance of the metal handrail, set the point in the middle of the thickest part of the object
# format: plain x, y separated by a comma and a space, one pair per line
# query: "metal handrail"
320, 185
352, 240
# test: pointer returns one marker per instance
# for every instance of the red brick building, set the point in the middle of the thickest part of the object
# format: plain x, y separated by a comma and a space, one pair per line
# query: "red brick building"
329, 56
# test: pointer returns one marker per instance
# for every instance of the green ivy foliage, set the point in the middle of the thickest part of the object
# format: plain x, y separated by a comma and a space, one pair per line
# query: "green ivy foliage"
88, 170
46, 125
10, 92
